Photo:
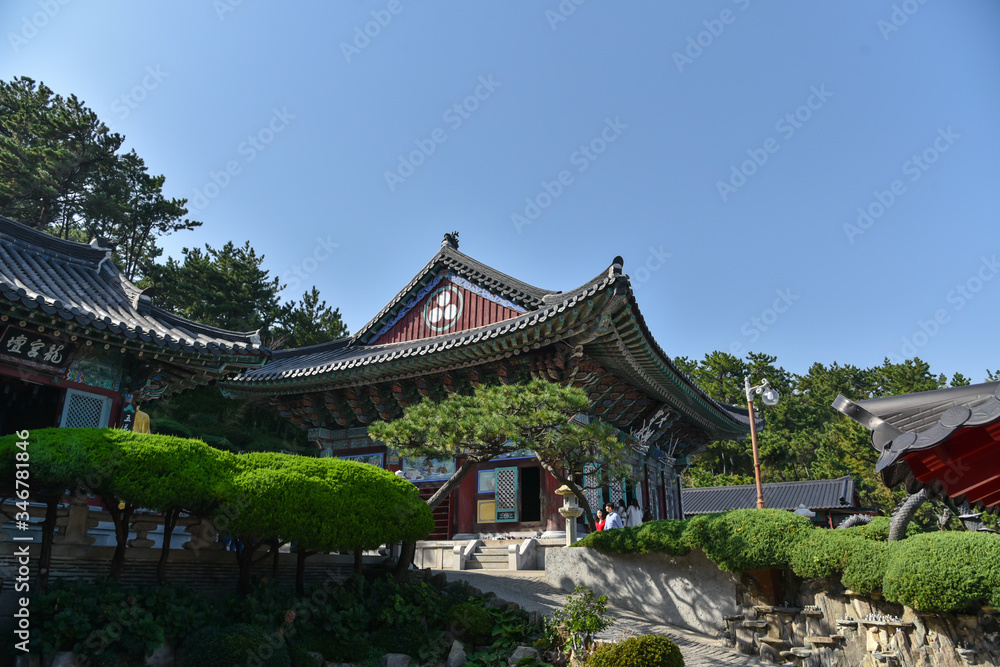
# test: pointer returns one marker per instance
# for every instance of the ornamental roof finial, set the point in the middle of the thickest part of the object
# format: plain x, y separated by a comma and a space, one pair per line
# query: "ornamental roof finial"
450, 240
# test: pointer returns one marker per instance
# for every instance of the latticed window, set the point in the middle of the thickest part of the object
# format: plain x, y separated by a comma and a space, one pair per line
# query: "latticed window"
506, 495
83, 410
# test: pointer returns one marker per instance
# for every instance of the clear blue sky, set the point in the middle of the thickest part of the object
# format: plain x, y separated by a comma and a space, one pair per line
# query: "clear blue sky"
829, 101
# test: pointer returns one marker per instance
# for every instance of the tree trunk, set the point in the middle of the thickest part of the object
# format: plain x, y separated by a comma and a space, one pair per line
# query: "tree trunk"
121, 518
48, 536
169, 522
358, 561
901, 517
300, 570
244, 558
452, 482
406, 553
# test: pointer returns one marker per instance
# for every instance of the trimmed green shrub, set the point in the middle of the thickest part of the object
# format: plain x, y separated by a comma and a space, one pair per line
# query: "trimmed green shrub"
824, 552
944, 571
237, 645
644, 651
662, 536
743, 540
866, 567
472, 621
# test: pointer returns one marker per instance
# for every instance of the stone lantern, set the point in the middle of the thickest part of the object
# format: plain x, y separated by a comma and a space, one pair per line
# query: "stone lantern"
570, 511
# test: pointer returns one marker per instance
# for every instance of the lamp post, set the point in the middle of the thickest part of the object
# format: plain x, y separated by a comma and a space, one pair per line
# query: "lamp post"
769, 397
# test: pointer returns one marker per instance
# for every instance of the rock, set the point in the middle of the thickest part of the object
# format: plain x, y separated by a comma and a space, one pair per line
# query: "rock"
489, 595
162, 657
456, 657
439, 581
396, 660
535, 619
318, 657
65, 659
522, 652
496, 602
513, 606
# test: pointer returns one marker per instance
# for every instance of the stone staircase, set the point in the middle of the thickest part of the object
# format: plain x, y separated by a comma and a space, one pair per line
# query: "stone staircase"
489, 557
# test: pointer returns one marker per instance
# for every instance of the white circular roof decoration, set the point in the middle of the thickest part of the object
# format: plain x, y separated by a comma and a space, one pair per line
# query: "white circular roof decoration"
443, 308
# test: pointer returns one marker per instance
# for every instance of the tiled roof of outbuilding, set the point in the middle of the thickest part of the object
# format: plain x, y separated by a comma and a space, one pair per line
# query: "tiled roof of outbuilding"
79, 284
817, 494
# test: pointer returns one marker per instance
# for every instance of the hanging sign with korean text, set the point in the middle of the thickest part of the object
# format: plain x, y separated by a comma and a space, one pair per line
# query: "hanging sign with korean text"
36, 349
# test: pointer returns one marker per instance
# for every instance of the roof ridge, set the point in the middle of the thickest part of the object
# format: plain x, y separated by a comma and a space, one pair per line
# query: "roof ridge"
40, 240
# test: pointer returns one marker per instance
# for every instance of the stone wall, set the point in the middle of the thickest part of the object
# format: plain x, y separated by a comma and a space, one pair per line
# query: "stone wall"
686, 591
814, 623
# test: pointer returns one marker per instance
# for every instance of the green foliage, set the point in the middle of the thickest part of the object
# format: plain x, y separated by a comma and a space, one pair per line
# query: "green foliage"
944, 571
62, 171
237, 645
102, 619
501, 419
823, 553
471, 621
878, 529
866, 568
644, 651
226, 423
663, 536
364, 506
743, 540
583, 615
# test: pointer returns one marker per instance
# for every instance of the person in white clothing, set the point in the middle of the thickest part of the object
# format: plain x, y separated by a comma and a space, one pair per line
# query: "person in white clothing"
633, 515
612, 520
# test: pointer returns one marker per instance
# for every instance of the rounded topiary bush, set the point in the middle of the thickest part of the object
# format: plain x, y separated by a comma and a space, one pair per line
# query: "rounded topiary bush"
947, 571
236, 645
824, 552
865, 570
745, 540
645, 651
472, 621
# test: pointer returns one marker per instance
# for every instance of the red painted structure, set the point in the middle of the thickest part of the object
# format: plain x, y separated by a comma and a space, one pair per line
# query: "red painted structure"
447, 309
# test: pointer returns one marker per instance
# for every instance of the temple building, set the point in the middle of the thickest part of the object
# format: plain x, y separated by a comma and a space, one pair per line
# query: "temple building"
459, 324
81, 346
945, 441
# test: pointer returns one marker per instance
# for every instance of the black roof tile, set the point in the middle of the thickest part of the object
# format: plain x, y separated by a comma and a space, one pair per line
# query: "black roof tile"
80, 284
817, 494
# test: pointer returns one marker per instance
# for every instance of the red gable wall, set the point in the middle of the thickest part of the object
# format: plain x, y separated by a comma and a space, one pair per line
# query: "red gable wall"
447, 309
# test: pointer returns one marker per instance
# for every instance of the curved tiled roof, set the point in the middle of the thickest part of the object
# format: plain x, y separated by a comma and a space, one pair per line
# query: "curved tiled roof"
816, 494
79, 284
628, 349
912, 423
